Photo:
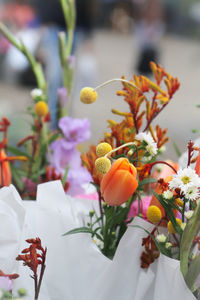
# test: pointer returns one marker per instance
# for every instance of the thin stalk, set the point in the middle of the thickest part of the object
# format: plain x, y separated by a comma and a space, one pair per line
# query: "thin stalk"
100, 208
115, 80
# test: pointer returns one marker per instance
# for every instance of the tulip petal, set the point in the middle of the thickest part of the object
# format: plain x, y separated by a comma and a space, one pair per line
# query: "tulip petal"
120, 187
118, 164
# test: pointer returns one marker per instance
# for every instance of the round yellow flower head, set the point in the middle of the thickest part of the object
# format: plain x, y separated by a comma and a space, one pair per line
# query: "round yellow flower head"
102, 149
171, 228
154, 214
88, 95
102, 164
41, 108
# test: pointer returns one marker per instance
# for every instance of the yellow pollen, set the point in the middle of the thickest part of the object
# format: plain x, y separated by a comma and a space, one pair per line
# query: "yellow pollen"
102, 164
185, 179
88, 95
102, 149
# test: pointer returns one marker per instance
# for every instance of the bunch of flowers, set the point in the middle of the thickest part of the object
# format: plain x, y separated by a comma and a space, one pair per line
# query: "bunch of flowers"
121, 166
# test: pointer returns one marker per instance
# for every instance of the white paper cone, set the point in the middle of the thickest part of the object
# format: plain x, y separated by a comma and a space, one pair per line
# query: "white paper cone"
75, 268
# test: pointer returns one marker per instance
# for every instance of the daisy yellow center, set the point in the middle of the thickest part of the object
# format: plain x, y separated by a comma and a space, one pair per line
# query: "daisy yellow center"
185, 179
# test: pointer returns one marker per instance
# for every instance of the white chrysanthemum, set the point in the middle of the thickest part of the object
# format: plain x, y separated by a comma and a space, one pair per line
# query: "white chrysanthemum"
191, 192
161, 238
183, 225
147, 138
168, 245
36, 93
99, 243
188, 214
184, 179
168, 195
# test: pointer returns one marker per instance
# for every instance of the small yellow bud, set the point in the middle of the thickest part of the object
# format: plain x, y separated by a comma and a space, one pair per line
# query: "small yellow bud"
102, 149
88, 95
102, 164
154, 214
179, 202
171, 228
41, 108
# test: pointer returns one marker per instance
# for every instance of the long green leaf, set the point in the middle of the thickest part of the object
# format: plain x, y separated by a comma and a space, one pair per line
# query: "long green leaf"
78, 230
191, 230
17, 152
193, 273
161, 248
147, 181
169, 213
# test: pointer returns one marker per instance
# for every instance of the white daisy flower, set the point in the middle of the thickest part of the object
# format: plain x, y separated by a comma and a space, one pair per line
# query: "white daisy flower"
147, 138
161, 238
168, 195
191, 192
35, 93
183, 225
168, 245
188, 214
184, 179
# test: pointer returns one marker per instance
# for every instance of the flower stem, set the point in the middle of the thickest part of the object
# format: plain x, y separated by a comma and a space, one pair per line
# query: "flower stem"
120, 147
118, 79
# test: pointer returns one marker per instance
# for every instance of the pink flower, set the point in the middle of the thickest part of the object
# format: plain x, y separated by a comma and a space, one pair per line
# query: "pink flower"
133, 212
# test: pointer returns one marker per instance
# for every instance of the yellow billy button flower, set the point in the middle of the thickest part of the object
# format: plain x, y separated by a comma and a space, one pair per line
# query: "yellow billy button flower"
154, 214
88, 95
171, 228
102, 164
41, 108
102, 149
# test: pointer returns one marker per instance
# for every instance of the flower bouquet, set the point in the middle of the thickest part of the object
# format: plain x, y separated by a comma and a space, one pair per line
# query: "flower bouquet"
139, 218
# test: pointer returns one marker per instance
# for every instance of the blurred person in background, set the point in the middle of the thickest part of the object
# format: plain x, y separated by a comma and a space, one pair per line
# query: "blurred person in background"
17, 16
149, 28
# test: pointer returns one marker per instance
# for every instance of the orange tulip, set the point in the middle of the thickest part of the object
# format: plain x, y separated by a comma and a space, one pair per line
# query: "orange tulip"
4, 170
119, 183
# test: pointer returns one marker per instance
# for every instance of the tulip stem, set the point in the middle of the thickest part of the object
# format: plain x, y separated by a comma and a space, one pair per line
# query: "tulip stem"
118, 79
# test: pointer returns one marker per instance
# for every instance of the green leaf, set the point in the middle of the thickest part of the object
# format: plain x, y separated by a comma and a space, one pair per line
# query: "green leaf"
53, 138
193, 273
147, 181
16, 177
64, 179
190, 232
160, 247
17, 152
78, 230
169, 212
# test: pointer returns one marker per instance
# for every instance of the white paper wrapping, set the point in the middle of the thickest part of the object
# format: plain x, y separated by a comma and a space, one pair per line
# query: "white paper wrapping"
76, 269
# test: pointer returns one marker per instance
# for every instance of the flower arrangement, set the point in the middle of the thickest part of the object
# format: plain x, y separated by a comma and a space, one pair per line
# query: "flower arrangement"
135, 190
122, 169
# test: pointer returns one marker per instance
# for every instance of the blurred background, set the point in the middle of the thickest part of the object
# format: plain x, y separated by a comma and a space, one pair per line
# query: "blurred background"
113, 38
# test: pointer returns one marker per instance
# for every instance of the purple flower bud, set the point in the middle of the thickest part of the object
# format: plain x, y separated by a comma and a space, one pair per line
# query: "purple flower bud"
62, 96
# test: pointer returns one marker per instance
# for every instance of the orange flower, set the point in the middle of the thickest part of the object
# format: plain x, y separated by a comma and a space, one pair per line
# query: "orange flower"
119, 183
4, 170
